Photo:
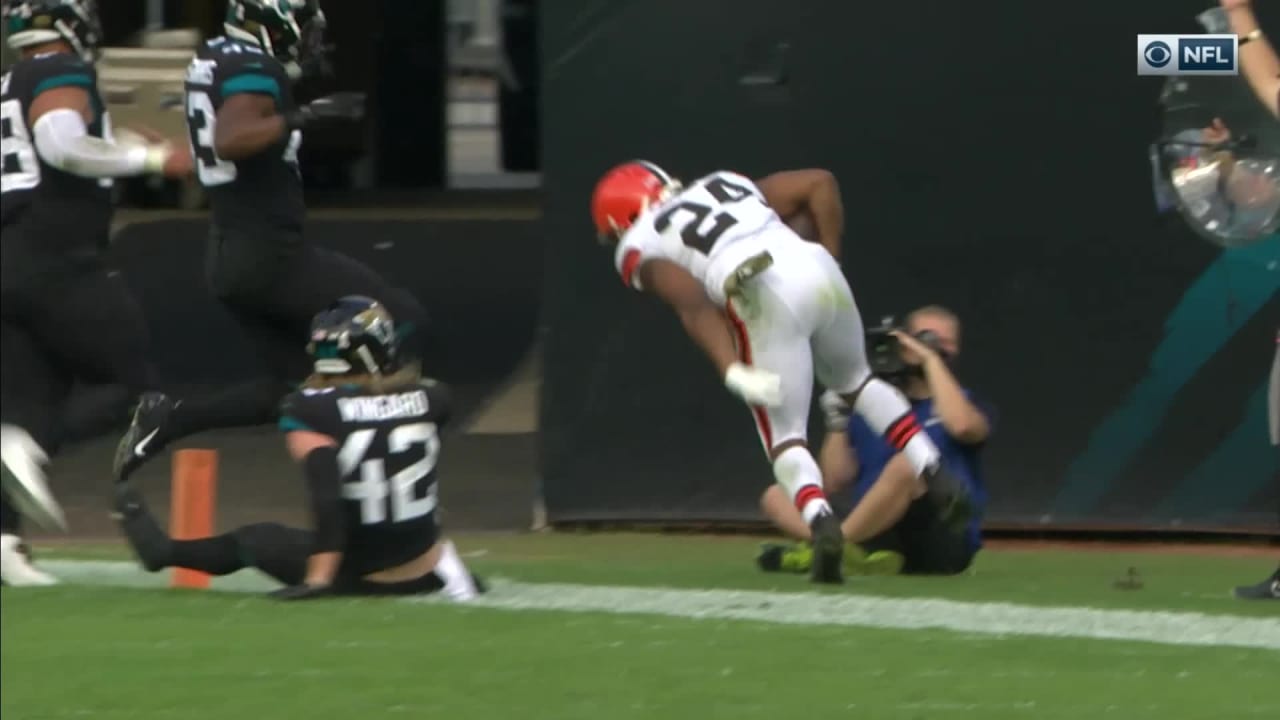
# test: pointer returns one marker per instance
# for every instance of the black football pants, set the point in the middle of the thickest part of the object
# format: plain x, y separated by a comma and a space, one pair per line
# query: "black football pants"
276, 317
56, 329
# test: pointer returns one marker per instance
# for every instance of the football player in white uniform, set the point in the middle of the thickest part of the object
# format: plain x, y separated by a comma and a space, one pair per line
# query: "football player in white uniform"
771, 309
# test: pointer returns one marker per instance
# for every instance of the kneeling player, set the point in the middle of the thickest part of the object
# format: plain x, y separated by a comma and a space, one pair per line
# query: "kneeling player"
365, 430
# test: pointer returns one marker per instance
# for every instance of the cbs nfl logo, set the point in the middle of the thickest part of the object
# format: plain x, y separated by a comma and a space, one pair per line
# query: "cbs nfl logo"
1188, 54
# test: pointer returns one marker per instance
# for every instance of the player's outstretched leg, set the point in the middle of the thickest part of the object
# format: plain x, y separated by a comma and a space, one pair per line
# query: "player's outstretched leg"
278, 551
771, 338
160, 419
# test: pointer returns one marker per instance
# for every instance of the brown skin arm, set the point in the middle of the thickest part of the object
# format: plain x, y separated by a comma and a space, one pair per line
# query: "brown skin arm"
71, 98
702, 320
247, 124
816, 192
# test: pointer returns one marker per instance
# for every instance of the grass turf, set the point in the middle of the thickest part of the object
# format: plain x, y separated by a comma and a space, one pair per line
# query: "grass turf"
127, 653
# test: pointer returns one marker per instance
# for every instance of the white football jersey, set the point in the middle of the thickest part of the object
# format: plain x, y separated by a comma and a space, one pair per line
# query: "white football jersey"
709, 228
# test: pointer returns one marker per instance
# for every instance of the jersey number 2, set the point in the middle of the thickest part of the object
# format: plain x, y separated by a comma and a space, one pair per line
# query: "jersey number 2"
693, 234
374, 488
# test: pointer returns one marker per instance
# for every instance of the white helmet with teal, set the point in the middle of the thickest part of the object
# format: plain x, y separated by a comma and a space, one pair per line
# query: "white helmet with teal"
38, 22
292, 31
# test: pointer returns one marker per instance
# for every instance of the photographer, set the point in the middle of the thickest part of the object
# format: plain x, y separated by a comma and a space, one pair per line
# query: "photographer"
891, 528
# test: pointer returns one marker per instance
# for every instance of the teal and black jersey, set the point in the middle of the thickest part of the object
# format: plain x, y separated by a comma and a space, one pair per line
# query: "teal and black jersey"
48, 213
258, 197
388, 448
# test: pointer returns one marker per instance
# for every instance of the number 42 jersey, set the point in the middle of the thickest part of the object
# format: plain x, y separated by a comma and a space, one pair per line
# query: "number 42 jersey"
388, 448
709, 228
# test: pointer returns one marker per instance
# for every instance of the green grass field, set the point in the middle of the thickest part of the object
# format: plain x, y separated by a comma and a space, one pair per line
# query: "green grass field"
649, 626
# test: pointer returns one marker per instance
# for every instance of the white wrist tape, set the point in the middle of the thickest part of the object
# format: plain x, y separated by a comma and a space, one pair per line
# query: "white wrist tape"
63, 141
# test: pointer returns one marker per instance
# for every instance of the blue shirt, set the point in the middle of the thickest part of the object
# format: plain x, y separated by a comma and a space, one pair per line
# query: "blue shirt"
964, 461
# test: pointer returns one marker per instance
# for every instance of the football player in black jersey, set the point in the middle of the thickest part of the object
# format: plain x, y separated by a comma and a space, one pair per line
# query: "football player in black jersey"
63, 315
245, 129
365, 429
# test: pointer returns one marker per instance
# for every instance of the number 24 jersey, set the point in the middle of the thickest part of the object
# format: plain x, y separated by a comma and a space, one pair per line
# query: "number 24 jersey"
709, 228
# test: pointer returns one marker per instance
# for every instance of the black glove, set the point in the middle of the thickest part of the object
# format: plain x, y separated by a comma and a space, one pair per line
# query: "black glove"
342, 106
301, 592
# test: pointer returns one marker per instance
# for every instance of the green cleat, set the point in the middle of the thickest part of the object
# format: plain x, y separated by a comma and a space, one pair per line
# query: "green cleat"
881, 562
790, 558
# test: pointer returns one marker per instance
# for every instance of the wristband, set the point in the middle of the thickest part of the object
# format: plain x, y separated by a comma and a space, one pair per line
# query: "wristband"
156, 157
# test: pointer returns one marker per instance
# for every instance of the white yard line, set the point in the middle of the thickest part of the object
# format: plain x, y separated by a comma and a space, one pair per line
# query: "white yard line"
1167, 628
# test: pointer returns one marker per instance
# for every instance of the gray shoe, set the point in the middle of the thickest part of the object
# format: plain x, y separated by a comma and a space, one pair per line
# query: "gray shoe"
1268, 589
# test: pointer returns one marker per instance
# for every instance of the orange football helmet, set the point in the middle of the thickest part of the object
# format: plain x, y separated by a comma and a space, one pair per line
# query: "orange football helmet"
626, 191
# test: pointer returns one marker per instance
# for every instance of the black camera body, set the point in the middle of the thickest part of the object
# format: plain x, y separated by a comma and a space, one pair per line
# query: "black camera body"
883, 350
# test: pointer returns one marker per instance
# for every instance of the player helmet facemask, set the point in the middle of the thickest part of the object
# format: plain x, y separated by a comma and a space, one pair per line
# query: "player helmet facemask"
292, 31
625, 192
354, 336
36, 22
1226, 190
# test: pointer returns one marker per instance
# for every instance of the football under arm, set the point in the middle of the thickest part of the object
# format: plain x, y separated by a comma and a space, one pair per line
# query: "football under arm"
63, 141
318, 454
247, 124
702, 320
816, 191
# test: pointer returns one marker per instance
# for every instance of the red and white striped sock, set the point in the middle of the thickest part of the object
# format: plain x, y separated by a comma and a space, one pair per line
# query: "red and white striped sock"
887, 412
798, 473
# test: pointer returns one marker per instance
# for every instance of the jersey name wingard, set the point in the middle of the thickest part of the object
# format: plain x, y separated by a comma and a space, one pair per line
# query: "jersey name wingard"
383, 407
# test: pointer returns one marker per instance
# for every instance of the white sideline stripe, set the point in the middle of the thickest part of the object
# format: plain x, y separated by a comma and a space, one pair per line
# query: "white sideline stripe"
1162, 627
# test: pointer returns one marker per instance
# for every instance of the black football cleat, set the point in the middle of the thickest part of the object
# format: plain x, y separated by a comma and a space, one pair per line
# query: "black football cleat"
151, 544
146, 435
950, 496
1268, 589
828, 550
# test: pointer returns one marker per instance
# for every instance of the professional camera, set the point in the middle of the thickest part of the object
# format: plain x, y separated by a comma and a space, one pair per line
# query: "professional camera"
883, 350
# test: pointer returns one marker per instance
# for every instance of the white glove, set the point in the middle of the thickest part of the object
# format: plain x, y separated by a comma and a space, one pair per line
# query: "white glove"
835, 410
755, 386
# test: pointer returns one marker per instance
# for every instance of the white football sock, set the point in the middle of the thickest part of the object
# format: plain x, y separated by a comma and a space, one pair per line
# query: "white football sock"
888, 413
798, 474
